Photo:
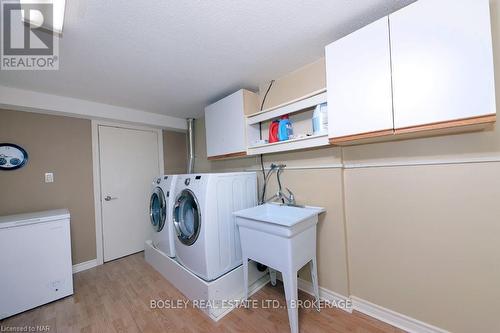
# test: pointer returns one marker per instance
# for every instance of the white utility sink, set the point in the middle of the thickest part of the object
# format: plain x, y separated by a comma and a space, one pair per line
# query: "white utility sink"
283, 238
278, 219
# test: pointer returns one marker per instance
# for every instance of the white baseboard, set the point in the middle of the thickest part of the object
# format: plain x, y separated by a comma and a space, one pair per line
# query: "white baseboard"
326, 295
393, 318
83, 266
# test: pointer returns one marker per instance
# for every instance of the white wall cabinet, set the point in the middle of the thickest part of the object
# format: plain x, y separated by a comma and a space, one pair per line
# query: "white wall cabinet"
426, 67
358, 69
225, 124
442, 62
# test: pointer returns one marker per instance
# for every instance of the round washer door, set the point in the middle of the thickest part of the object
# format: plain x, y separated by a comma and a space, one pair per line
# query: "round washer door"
187, 217
157, 209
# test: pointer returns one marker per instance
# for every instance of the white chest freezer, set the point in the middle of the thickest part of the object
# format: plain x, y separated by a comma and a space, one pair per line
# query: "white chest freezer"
35, 260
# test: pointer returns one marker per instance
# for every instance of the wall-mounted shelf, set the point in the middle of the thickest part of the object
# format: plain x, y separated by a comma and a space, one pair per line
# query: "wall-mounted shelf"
296, 105
293, 144
299, 110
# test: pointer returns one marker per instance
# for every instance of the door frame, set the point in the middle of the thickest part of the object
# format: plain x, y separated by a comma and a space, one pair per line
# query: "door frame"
96, 166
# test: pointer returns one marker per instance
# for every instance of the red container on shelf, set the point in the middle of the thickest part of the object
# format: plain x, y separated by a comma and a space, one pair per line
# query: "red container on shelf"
273, 131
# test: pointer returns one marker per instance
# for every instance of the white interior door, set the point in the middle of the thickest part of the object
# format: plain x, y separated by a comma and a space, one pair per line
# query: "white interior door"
128, 162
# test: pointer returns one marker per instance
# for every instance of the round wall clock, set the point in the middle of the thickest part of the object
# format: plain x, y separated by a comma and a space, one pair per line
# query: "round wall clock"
12, 156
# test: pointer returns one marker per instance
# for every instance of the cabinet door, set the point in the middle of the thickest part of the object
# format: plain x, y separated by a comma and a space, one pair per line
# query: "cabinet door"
442, 63
358, 72
225, 126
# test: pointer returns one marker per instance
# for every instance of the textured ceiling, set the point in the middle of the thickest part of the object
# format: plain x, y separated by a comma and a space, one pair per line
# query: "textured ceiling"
175, 56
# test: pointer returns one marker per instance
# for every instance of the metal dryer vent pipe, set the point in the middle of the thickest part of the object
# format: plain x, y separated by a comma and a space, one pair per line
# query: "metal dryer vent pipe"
190, 144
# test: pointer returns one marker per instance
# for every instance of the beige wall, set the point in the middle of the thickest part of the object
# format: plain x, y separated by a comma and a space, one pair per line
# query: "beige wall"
421, 240
307, 177
63, 145
174, 152
323, 188
55, 144
317, 187
298, 83
424, 241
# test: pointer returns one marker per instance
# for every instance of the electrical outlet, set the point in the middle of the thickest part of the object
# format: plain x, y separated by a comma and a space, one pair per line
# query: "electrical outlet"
49, 177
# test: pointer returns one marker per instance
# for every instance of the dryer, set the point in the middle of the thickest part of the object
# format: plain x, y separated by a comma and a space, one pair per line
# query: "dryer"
160, 213
207, 241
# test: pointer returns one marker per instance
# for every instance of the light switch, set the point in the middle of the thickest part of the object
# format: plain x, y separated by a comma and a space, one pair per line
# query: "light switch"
49, 177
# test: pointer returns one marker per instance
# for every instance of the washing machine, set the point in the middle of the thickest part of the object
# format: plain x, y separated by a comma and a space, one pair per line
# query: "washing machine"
160, 213
206, 238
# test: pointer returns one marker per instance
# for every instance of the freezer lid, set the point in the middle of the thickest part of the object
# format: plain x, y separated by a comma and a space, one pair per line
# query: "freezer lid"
35, 217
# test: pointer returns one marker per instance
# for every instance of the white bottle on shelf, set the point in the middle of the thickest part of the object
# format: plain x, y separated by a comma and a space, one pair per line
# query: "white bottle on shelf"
320, 119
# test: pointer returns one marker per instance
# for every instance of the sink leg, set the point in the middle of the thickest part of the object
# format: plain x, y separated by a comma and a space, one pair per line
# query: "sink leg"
245, 279
314, 278
272, 275
291, 294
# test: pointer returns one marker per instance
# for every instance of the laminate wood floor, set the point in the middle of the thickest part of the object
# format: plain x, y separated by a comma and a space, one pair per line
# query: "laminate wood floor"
115, 297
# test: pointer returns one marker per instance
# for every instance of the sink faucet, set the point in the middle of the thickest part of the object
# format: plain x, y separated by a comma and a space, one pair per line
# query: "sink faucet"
289, 199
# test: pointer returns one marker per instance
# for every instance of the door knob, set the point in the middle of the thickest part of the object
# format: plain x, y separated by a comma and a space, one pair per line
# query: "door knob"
109, 198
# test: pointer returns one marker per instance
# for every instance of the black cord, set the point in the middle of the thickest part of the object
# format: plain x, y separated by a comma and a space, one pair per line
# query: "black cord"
264, 179
260, 134
279, 181
262, 107
265, 95
272, 167
278, 177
